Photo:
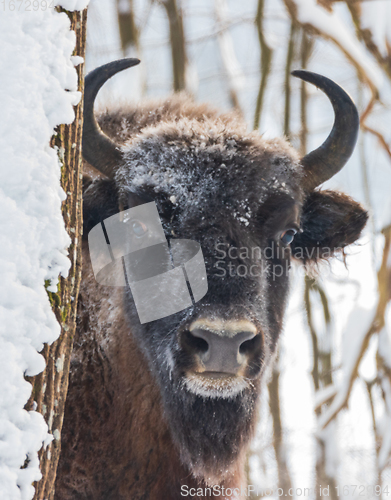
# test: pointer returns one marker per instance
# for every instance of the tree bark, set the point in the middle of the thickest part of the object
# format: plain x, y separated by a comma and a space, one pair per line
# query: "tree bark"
50, 387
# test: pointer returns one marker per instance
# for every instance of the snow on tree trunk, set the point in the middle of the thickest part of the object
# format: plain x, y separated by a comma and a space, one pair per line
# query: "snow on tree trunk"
50, 387
40, 191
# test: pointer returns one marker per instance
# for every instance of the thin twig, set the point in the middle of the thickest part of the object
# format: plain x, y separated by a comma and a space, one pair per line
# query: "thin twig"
378, 322
288, 69
380, 136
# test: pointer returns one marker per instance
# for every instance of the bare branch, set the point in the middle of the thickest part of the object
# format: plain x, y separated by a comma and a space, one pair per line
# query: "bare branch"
366, 36
331, 27
380, 136
288, 69
227, 50
384, 286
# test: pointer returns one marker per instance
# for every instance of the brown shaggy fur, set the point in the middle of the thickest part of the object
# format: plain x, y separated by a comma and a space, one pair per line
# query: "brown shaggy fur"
119, 442
104, 412
122, 434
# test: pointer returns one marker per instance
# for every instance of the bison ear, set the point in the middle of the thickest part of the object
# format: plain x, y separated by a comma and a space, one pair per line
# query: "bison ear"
100, 200
330, 222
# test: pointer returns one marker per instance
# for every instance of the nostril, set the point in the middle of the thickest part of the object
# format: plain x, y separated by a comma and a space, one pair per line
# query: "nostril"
250, 345
194, 344
223, 347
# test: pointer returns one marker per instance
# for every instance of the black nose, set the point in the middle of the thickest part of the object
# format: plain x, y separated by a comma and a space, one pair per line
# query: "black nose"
223, 347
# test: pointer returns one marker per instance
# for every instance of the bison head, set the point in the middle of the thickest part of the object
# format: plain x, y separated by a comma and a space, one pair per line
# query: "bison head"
253, 205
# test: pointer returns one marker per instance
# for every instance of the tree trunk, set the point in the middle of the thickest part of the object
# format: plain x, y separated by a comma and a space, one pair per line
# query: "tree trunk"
50, 387
178, 43
284, 479
130, 42
128, 30
266, 62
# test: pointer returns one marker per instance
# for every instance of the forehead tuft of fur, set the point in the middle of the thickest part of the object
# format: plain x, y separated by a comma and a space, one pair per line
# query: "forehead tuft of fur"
183, 155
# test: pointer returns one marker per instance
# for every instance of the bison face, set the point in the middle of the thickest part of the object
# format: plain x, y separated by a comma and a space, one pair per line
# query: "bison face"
251, 203
240, 198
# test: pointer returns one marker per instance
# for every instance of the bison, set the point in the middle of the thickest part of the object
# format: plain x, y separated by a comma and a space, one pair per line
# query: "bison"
156, 409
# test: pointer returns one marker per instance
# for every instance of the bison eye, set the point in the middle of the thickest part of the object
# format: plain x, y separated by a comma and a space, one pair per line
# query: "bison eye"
138, 228
287, 236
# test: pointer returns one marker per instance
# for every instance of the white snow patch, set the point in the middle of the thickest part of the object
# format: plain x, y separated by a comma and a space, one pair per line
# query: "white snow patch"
60, 363
56, 435
38, 91
323, 395
77, 60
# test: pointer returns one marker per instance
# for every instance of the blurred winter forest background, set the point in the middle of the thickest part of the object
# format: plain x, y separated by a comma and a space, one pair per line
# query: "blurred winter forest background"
325, 417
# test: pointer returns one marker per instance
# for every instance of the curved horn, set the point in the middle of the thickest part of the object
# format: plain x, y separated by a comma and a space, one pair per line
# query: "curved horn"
328, 159
97, 148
